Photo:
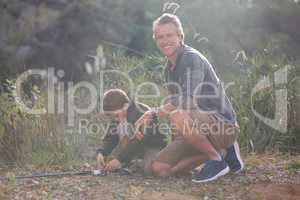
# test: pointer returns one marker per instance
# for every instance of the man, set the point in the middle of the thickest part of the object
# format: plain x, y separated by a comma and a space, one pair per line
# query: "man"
201, 116
118, 142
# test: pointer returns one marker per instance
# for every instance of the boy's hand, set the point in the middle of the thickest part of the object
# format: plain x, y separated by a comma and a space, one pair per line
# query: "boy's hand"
100, 161
113, 165
141, 123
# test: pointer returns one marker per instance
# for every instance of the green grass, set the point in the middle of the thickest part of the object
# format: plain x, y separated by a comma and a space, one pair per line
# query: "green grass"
293, 165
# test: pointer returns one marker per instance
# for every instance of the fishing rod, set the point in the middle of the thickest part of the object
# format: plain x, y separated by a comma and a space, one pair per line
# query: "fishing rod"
122, 171
54, 174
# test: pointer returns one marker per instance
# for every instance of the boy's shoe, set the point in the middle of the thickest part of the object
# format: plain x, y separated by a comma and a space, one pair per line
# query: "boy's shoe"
211, 170
233, 158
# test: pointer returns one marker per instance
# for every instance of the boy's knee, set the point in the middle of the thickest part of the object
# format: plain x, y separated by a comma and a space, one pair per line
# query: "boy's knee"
160, 169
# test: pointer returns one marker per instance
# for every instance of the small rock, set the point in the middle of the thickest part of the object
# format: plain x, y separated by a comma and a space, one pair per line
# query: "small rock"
35, 182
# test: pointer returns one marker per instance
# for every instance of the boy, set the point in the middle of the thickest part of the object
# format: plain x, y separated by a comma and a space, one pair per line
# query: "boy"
123, 114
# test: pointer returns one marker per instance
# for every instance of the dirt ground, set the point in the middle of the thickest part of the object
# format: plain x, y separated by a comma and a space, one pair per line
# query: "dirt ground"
266, 177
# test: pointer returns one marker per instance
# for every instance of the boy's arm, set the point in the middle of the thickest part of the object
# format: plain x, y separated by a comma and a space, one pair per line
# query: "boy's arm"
110, 140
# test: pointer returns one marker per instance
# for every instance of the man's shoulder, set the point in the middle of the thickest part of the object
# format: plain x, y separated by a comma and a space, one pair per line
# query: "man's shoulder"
191, 56
188, 50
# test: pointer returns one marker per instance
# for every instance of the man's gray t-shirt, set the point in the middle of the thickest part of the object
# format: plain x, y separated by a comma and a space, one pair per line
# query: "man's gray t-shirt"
193, 84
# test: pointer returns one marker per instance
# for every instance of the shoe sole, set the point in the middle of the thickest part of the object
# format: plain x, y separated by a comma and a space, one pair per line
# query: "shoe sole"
221, 173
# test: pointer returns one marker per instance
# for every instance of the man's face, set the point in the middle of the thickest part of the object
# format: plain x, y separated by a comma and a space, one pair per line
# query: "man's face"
167, 39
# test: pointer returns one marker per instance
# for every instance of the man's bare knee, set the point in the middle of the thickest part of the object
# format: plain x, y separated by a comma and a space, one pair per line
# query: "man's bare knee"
160, 169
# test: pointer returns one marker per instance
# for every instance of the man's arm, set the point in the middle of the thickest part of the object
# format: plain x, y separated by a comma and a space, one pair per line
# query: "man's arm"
191, 81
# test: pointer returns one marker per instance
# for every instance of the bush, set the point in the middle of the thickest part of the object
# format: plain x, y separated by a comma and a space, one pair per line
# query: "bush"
27, 138
255, 134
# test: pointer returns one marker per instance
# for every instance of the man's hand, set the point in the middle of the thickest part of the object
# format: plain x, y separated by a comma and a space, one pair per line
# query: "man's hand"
113, 165
141, 123
100, 161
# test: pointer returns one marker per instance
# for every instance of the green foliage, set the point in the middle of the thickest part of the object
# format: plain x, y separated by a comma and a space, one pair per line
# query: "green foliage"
27, 138
255, 135
293, 165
